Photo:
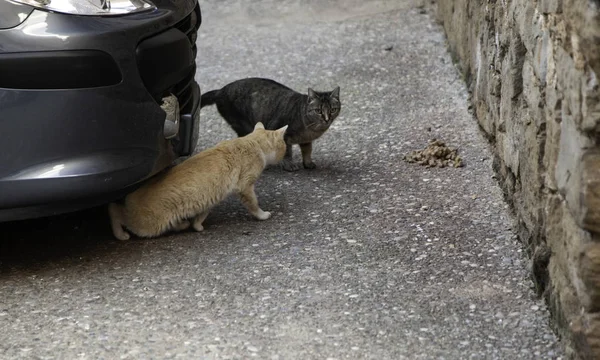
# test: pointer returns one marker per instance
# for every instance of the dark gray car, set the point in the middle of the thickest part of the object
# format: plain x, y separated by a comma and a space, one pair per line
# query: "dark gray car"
82, 83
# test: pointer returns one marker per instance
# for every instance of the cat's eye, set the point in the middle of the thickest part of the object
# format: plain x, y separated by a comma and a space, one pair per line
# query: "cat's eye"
318, 111
335, 110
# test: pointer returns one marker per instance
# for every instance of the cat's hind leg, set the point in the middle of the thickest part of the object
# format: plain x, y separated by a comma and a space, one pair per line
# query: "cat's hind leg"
198, 220
287, 163
307, 156
115, 212
248, 197
181, 225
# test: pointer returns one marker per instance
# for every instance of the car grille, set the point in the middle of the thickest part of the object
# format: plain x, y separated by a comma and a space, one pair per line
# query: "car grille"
189, 26
164, 74
183, 90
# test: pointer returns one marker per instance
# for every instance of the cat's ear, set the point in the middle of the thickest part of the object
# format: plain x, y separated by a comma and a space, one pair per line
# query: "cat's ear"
259, 125
336, 93
312, 95
282, 130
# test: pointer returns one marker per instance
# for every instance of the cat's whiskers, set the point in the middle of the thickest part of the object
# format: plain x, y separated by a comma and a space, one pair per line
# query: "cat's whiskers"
313, 126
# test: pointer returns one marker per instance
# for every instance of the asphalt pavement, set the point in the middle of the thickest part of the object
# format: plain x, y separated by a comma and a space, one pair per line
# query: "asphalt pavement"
365, 257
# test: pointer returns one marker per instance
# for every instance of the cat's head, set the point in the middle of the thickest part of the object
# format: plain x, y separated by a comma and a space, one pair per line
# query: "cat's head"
272, 142
323, 107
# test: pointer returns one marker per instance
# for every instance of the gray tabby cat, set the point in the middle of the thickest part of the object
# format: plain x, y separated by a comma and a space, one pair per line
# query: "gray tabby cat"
243, 103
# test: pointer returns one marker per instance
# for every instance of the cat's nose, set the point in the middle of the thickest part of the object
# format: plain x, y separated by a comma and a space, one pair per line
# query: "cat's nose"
326, 117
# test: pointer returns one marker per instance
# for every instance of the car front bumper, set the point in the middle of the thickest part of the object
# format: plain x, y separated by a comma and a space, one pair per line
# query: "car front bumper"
80, 116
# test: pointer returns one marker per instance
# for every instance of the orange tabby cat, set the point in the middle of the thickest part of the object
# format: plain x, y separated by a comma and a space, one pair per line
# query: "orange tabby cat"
189, 190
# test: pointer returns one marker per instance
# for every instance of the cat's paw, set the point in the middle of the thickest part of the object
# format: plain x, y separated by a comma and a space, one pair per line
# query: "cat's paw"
310, 165
198, 227
182, 225
263, 215
290, 166
123, 236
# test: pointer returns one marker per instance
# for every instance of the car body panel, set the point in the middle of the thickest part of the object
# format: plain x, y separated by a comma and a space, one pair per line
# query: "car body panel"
66, 144
12, 14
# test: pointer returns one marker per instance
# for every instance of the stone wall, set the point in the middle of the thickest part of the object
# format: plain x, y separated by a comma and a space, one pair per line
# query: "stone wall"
532, 68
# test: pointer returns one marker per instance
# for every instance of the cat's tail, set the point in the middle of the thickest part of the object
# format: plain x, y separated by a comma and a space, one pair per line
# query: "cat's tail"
115, 211
209, 98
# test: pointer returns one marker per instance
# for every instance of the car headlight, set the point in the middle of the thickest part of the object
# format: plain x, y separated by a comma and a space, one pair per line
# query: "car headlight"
90, 7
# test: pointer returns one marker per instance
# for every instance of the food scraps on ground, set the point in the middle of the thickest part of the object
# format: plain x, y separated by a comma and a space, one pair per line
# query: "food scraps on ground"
435, 154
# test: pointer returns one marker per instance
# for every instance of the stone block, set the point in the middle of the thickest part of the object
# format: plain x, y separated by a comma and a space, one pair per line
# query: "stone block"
532, 67
551, 6
588, 209
589, 272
